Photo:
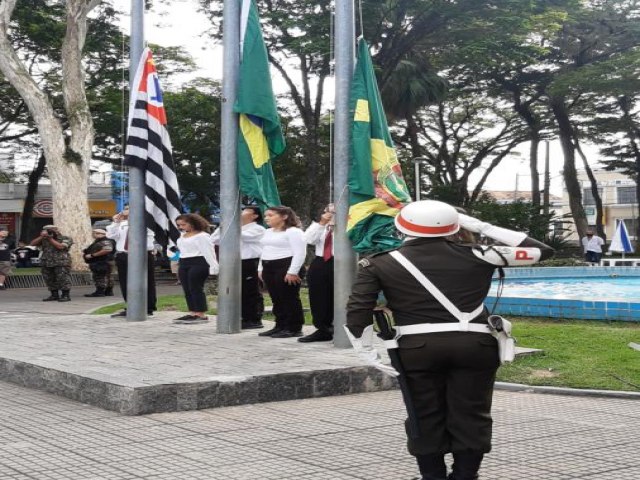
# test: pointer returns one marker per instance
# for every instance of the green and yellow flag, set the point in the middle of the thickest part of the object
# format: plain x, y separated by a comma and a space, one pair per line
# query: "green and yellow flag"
377, 188
260, 137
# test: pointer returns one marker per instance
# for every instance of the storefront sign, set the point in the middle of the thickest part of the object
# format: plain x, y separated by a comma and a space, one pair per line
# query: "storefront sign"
8, 221
97, 208
43, 208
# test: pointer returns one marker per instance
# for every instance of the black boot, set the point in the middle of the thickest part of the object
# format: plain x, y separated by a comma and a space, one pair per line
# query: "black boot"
108, 292
432, 467
65, 296
466, 465
53, 297
98, 293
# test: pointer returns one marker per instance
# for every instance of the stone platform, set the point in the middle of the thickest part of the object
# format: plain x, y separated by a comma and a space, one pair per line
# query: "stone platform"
156, 366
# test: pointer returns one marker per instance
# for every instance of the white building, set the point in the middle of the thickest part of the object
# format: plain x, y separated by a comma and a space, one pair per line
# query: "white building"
619, 202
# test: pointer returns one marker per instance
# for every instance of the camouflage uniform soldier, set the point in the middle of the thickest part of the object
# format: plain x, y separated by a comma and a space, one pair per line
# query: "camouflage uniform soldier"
99, 255
55, 262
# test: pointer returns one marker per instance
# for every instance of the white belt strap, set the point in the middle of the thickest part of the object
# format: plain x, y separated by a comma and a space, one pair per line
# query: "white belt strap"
463, 317
439, 327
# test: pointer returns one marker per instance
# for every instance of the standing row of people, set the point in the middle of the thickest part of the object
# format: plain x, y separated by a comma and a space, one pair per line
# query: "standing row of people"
275, 256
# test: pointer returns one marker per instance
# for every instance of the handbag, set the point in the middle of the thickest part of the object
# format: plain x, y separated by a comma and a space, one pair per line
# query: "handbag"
501, 328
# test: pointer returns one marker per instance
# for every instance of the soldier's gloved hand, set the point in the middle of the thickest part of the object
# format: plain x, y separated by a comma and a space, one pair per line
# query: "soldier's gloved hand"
367, 351
472, 224
502, 235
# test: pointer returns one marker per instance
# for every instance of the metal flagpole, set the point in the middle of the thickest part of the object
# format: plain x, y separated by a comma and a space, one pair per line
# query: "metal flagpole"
229, 278
344, 256
137, 239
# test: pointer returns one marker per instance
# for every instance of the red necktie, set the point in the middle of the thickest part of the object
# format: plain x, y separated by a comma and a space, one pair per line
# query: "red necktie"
327, 252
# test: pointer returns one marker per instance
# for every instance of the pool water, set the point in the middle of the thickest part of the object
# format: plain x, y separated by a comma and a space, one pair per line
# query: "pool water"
590, 288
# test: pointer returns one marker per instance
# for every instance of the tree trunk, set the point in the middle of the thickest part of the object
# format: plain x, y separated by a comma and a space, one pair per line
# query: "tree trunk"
569, 169
32, 188
68, 162
533, 167
594, 191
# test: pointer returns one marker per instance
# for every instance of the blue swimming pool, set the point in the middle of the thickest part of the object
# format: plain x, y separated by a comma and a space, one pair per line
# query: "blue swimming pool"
590, 288
599, 293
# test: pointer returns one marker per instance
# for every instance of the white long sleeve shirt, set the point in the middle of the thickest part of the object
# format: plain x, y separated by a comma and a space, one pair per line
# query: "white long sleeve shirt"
250, 236
119, 232
284, 244
315, 235
199, 245
593, 244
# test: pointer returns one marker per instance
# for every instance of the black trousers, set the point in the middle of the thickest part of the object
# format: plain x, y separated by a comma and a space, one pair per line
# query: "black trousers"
251, 298
287, 306
193, 273
451, 377
122, 268
320, 283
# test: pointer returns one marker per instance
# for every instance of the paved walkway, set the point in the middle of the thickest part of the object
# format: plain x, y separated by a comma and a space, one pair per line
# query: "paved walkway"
29, 300
541, 437
46, 437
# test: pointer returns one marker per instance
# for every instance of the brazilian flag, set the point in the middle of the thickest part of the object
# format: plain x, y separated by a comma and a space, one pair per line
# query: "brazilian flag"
260, 137
377, 188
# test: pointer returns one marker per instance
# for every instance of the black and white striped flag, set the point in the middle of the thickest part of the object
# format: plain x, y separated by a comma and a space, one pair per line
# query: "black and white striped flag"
149, 148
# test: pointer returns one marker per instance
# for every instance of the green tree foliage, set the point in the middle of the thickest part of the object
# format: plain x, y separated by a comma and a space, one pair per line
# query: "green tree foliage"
193, 116
520, 216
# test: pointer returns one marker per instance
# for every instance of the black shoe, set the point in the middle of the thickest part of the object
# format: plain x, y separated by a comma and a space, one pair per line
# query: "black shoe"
191, 319
286, 334
150, 313
2, 287
249, 326
317, 336
123, 313
108, 292
270, 332
53, 297
97, 293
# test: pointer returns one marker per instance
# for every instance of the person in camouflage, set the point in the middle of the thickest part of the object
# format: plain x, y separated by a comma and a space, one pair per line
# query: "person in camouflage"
55, 262
99, 255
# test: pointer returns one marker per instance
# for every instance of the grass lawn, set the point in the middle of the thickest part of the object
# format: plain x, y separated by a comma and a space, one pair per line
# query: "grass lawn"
177, 303
25, 271
577, 354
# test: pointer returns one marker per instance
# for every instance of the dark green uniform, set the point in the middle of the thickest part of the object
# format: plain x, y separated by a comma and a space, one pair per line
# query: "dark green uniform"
101, 266
56, 264
450, 374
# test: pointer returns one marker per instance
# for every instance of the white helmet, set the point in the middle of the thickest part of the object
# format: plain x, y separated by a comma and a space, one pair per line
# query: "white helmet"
428, 218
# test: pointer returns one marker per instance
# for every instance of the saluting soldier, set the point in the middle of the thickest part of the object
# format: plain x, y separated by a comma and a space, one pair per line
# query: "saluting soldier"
98, 256
448, 355
55, 262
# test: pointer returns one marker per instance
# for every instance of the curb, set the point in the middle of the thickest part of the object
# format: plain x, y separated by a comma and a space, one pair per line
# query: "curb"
519, 387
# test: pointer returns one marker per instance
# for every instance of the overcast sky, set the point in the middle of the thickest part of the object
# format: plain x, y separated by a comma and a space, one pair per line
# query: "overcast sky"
181, 25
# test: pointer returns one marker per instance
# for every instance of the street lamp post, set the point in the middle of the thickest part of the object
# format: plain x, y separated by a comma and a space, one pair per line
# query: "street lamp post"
416, 165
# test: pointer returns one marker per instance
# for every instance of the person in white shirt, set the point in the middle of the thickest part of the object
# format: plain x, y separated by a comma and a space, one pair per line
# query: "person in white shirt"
281, 268
320, 277
119, 231
250, 250
592, 245
197, 262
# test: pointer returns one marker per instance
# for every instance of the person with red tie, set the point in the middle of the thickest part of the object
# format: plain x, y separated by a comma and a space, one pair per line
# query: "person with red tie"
320, 276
